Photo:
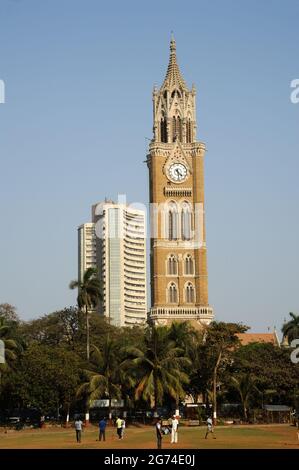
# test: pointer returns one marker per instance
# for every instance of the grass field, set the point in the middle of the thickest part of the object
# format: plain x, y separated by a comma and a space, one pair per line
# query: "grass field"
246, 437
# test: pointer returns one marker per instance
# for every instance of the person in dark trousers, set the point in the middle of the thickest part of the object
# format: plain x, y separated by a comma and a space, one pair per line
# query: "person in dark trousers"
159, 433
78, 428
123, 427
119, 428
102, 429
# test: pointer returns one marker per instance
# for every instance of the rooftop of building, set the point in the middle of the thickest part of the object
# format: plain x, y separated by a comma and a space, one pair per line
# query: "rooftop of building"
247, 338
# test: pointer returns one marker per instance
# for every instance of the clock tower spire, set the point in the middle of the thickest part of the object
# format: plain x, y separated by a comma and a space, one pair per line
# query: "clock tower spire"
174, 105
179, 278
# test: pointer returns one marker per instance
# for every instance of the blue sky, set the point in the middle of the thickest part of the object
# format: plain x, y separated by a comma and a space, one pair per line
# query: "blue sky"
79, 77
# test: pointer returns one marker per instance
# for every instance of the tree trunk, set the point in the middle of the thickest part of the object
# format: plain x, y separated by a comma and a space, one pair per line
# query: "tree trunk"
67, 419
245, 412
215, 396
205, 399
87, 333
215, 389
244, 401
109, 410
155, 397
87, 413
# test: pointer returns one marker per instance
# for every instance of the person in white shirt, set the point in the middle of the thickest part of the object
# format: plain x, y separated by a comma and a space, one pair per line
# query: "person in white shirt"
174, 429
210, 428
78, 428
123, 427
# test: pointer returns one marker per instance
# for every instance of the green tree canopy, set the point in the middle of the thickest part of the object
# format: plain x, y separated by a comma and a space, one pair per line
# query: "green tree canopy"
103, 375
271, 368
45, 378
290, 329
161, 367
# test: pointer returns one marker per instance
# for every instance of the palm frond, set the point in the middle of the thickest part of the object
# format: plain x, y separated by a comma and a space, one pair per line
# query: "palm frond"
74, 284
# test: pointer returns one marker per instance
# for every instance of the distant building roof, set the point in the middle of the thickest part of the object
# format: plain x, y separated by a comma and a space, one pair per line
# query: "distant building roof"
247, 338
276, 408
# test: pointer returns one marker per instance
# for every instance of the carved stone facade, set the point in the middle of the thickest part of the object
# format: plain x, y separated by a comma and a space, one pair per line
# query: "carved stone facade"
179, 275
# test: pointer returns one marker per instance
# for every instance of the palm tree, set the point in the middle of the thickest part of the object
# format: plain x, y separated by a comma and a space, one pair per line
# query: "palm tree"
245, 385
290, 329
9, 344
89, 295
8, 347
103, 378
185, 337
161, 366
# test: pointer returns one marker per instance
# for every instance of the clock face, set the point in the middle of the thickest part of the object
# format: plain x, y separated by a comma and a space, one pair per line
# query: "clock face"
177, 172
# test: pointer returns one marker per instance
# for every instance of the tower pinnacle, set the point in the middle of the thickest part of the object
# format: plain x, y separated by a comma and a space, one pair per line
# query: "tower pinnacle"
173, 75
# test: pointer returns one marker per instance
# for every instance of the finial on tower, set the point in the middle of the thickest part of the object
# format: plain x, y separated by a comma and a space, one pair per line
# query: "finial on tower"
173, 74
172, 42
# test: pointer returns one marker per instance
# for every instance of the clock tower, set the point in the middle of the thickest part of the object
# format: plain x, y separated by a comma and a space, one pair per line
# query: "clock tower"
179, 275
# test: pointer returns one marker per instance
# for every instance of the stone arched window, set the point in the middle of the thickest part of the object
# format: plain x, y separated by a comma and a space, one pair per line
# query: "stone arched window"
186, 219
179, 129
176, 93
189, 130
176, 129
172, 293
172, 265
188, 265
172, 221
163, 130
189, 293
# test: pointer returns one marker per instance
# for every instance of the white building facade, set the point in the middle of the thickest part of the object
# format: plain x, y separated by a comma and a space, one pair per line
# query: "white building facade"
115, 243
87, 248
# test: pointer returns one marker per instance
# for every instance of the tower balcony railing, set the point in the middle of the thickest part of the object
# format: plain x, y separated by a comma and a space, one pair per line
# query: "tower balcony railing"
202, 312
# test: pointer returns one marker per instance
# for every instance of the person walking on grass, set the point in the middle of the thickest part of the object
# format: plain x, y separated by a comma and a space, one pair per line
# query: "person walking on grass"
78, 428
102, 429
123, 427
174, 430
119, 427
159, 433
210, 428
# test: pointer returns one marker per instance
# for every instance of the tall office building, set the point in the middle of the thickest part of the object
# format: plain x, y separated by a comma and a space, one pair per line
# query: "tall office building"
115, 242
87, 248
